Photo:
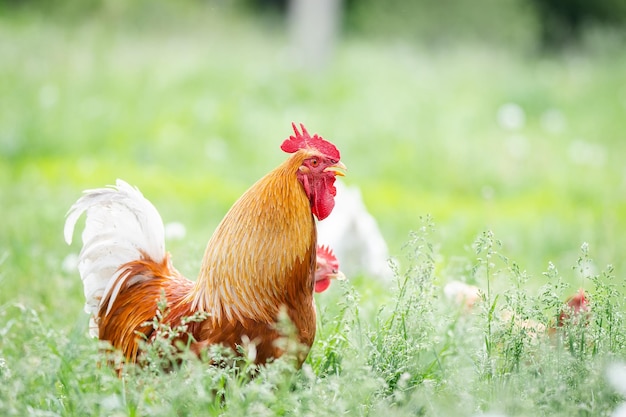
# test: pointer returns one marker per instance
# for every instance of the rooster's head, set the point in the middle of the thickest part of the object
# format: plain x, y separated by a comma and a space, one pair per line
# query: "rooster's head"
320, 165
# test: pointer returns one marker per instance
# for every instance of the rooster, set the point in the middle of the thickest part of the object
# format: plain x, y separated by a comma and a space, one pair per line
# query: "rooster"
259, 263
326, 269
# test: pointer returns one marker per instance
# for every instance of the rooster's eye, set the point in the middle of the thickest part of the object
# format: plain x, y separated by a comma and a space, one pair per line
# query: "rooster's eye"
314, 162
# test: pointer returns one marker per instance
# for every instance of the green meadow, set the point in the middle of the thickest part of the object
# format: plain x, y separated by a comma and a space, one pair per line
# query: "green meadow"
481, 163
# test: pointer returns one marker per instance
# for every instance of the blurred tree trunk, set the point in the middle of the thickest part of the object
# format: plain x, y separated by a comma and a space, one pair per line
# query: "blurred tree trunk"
313, 28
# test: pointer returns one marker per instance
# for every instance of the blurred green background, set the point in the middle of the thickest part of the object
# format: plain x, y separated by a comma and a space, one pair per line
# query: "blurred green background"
505, 115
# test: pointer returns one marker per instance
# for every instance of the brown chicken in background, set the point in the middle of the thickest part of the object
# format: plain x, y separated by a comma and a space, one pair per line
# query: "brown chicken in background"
577, 308
575, 312
326, 269
260, 261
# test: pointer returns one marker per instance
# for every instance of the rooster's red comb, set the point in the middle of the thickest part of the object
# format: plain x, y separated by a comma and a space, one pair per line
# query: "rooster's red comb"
303, 140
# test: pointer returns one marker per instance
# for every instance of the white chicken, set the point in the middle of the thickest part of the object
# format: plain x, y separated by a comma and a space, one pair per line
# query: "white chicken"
354, 235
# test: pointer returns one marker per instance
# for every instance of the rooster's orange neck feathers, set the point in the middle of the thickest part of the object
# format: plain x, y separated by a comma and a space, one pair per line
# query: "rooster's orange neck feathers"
238, 279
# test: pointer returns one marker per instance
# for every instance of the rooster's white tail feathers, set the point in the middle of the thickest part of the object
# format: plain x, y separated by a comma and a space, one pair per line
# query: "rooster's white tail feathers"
121, 226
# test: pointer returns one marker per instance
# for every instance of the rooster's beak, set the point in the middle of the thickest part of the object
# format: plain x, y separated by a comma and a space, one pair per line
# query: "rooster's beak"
337, 168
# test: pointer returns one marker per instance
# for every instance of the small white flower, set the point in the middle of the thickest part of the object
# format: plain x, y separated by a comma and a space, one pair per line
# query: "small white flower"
616, 374
511, 116
620, 411
175, 231
70, 263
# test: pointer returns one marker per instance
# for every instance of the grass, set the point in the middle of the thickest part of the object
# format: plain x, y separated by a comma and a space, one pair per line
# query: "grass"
192, 112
